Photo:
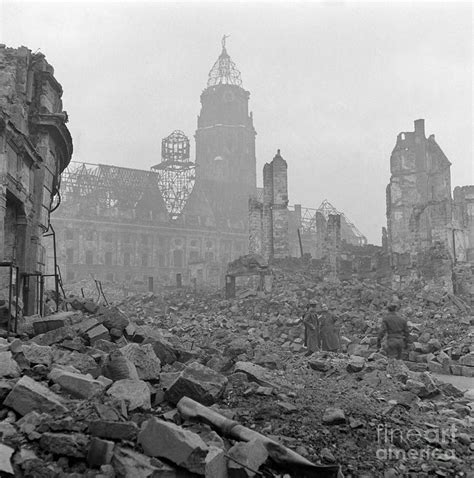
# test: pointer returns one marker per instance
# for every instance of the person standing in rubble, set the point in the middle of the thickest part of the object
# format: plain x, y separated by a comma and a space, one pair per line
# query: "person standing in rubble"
329, 333
312, 328
395, 328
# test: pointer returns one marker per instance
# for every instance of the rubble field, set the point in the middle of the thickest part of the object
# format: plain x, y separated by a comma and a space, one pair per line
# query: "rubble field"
185, 383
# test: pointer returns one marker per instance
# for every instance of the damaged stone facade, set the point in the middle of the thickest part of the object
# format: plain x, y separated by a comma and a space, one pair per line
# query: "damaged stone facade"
419, 208
35, 147
269, 217
118, 228
427, 231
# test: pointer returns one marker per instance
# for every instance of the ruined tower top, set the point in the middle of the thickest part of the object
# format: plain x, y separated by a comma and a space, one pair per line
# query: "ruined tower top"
224, 71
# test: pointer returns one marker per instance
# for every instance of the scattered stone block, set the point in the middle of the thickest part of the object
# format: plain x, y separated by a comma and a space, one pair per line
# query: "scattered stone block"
198, 382
167, 440
38, 354
356, 364
119, 367
82, 362
287, 407
254, 372
131, 464
455, 369
435, 367
97, 333
467, 360
8, 366
215, 464
85, 325
164, 350
113, 430
319, 365
467, 371
78, 385
6, 453
105, 346
252, 455
134, 392
47, 324
333, 416
5, 389
28, 395
54, 336
113, 318
75, 444
100, 452
146, 362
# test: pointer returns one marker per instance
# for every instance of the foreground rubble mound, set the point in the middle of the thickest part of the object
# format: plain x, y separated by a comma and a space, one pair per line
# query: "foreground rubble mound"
185, 384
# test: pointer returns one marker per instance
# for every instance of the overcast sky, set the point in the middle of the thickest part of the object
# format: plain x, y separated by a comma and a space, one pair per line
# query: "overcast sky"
331, 84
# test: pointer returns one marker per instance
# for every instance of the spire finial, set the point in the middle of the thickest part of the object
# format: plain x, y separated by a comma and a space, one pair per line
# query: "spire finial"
224, 37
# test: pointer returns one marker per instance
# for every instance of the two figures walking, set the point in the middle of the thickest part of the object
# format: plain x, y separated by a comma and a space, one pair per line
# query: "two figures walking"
320, 329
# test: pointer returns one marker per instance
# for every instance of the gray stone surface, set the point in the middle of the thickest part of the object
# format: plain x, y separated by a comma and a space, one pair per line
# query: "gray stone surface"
28, 395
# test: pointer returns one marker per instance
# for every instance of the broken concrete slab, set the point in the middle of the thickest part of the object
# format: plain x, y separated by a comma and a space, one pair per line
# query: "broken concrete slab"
146, 362
167, 440
134, 392
28, 395
74, 444
198, 382
8, 366
78, 385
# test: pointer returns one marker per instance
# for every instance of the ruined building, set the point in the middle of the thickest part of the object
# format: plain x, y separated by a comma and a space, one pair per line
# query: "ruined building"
427, 232
277, 232
35, 147
180, 218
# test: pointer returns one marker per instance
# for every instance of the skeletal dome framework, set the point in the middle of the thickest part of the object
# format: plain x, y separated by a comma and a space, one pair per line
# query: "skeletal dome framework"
224, 71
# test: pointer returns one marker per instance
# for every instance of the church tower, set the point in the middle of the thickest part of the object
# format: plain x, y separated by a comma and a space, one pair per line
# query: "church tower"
225, 144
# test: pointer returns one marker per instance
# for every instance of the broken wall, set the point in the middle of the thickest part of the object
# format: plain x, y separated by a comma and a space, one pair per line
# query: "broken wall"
419, 209
463, 227
269, 218
35, 147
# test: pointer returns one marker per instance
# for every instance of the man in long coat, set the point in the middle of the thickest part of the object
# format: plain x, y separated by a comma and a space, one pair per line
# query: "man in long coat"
328, 330
312, 328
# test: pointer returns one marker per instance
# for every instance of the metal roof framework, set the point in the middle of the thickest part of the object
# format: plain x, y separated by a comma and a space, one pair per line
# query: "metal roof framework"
308, 220
108, 186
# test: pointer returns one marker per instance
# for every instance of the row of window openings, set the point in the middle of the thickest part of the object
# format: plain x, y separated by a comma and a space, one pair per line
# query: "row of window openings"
145, 239
110, 276
177, 258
